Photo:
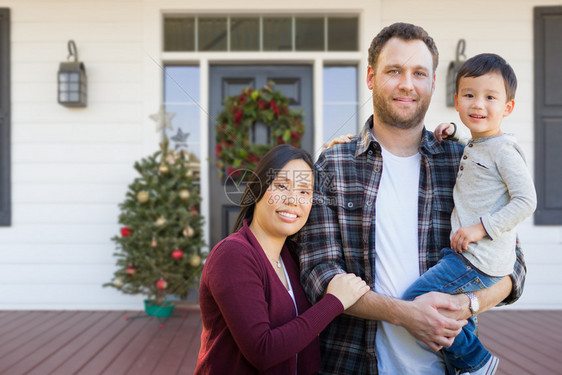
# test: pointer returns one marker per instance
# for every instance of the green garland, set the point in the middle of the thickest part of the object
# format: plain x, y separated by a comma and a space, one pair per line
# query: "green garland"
234, 150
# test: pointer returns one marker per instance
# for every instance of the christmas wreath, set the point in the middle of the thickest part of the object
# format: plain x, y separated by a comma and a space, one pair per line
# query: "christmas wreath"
235, 151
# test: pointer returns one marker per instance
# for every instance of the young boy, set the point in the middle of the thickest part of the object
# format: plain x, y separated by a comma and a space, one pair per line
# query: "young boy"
493, 193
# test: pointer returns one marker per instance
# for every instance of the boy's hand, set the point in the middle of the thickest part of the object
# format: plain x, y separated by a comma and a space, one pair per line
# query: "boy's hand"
444, 130
341, 139
466, 235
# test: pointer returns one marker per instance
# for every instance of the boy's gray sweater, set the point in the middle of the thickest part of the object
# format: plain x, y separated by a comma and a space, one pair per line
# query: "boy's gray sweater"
495, 188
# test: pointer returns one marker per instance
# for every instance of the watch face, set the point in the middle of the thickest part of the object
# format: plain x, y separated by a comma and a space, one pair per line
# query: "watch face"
475, 305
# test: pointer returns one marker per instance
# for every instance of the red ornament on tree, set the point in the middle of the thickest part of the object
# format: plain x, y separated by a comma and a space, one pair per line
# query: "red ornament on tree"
161, 284
177, 254
125, 231
130, 270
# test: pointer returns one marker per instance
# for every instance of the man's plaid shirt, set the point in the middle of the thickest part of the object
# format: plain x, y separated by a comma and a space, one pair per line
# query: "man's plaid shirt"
340, 234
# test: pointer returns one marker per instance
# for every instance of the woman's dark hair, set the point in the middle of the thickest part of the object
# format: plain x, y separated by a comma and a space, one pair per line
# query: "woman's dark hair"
265, 173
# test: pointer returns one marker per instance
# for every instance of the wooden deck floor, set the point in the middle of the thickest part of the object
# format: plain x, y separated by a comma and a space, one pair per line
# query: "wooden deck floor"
87, 342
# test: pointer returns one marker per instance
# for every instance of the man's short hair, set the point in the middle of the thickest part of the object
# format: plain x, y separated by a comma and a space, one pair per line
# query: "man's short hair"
485, 63
404, 31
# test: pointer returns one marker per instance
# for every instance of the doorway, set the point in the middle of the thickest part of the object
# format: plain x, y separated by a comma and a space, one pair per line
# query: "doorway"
295, 82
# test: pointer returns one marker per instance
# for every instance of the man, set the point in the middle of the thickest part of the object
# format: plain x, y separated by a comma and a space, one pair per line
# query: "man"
383, 210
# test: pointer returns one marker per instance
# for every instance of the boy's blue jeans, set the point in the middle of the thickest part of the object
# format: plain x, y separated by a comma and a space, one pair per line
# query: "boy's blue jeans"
453, 275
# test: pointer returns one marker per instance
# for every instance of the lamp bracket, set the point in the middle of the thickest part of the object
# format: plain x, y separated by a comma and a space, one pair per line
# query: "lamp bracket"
460, 50
72, 51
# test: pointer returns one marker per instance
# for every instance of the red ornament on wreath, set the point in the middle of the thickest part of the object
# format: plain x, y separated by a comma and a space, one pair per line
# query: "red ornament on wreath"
161, 284
234, 149
125, 231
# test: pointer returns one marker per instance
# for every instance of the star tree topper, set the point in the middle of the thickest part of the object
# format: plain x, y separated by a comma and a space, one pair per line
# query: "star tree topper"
163, 119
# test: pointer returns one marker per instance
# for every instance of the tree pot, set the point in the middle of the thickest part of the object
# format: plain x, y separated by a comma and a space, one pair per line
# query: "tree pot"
160, 311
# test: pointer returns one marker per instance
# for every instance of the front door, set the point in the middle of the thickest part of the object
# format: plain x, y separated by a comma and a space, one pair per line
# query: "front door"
295, 82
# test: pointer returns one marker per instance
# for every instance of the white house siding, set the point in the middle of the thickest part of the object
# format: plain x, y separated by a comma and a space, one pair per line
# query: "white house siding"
71, 167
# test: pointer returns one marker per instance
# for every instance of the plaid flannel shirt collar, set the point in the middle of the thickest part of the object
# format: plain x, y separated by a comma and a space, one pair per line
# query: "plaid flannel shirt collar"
428, 145
366, 137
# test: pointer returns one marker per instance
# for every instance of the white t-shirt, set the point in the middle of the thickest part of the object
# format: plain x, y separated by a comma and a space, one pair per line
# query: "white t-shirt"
397, 265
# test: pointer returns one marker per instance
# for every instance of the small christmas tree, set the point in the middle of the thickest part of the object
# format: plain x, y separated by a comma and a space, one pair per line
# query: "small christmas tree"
159, 249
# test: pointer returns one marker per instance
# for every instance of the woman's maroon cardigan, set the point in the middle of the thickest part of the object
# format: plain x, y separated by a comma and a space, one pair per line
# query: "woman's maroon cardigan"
249, 320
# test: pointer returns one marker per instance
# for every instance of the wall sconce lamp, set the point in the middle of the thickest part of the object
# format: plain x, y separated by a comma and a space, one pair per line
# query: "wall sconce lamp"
72, 80
454, 67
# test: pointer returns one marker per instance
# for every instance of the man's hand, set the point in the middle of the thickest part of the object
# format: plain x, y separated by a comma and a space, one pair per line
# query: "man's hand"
466, 235
426, 323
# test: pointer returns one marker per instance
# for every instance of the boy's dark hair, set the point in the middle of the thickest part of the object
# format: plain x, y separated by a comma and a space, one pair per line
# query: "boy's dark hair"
485, 63
404, 31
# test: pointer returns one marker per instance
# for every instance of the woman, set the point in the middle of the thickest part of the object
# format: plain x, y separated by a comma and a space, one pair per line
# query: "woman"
256, 318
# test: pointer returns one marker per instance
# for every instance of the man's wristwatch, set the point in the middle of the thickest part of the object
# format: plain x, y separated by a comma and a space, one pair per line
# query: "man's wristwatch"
474, 305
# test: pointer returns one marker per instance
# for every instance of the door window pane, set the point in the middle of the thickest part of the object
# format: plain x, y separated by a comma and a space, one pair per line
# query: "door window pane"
179, 34
277, 34
182, 98
244, 34
343, 34
212, 34
340, 101
309, 34
181, 84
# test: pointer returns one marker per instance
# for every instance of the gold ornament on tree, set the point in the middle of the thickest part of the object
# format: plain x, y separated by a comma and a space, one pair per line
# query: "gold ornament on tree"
118, 282
184, 194
174, 155
171, 157
195, 261
188, 232
143, 196
160, 221
163, 168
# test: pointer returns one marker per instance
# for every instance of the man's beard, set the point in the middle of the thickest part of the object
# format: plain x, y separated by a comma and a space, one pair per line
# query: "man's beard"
391, 117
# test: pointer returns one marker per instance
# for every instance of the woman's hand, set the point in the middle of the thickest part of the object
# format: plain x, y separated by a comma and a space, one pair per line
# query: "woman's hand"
348, 288
444, 130
341, 139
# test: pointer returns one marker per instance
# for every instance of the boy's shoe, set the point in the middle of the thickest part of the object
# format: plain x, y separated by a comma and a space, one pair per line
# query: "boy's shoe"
488, 369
